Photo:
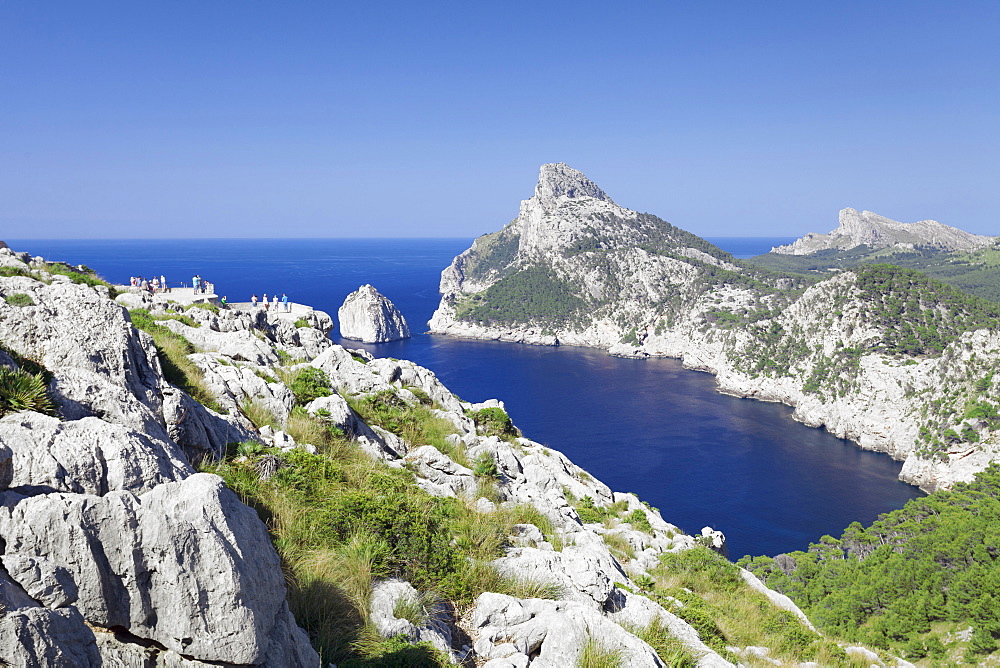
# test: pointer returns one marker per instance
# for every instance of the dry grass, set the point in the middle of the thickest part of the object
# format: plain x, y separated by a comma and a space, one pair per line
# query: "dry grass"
257, 413
619, 546
595, 655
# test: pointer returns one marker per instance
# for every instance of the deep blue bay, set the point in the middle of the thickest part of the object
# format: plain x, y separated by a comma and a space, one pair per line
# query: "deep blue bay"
646, 426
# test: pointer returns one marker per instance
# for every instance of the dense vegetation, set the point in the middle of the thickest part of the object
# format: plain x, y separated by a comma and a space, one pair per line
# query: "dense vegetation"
918, 315
911, 580
533, 293
974, 272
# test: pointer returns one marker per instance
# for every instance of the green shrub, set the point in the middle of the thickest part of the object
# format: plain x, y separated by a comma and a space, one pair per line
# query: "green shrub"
495, 422
421, 396
23, 391
259, 414
671, 651
79, 277
595, 655
485, 466
639, 520
20, 299
203, 305
590, 513
310, 383
416, 424
302, 322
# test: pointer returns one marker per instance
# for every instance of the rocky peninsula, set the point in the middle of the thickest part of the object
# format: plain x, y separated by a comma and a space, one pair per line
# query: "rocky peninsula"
883, 356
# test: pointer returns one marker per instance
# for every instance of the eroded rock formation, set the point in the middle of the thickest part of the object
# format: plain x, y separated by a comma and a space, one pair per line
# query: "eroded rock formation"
368, 316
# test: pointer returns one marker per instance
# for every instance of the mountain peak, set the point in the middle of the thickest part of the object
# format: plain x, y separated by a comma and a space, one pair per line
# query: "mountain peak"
866, 228
557, 179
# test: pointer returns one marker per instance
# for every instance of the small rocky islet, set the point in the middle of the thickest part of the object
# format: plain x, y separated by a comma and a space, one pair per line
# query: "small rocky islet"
183, 484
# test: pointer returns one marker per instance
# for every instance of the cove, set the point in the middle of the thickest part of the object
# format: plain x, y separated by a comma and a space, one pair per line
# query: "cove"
646, 426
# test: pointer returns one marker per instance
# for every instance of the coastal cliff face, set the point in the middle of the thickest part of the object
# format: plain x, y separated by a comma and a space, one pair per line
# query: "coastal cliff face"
874, 231
880, 355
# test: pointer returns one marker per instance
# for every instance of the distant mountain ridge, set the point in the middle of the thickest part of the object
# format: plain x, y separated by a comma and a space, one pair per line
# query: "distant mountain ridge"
866, 228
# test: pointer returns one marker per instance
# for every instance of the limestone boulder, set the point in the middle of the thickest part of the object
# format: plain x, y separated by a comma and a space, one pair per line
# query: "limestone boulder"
552, 633
368, 316
88, 456
439, 475
432, 627
199, 431
185, 565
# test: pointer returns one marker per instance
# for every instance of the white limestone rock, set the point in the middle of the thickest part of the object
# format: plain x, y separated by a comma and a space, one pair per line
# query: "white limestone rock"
88, 456
875, 231
434, 628
439, 475
185, 565
368, 316
552, 632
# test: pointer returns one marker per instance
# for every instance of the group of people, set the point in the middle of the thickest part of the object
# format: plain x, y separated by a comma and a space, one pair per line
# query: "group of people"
285, 306
201, 286
155, 284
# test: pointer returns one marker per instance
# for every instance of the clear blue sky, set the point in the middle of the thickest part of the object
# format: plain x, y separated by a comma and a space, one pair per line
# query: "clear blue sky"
251, 118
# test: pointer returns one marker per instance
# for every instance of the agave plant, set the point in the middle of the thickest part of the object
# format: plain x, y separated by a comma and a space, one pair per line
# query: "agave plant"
23, 391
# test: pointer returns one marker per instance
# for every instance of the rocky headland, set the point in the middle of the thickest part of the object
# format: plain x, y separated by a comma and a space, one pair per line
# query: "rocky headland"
367, 315
881, 355
874, 231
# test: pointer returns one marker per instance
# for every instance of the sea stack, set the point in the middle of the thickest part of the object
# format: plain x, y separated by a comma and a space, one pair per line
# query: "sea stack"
368, 316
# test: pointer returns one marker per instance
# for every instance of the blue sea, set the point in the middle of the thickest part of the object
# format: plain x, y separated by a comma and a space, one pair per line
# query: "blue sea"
647, 426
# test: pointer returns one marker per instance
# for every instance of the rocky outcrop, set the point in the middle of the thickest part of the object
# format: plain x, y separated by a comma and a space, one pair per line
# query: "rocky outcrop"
603, 276
874, 231
368, 316
114, 551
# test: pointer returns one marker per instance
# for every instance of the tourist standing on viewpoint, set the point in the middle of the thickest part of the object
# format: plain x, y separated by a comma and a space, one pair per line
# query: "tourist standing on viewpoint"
253, 300
284, 302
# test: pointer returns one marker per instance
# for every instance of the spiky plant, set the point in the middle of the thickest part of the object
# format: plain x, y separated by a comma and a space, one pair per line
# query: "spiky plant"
23, 391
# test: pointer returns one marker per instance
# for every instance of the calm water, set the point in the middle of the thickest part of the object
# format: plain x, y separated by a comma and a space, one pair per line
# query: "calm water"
647, 426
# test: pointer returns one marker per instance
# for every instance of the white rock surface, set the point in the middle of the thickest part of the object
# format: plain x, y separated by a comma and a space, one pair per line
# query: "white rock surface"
88, 456
434, 628
551, 632
157, 563
368, 316
875, 231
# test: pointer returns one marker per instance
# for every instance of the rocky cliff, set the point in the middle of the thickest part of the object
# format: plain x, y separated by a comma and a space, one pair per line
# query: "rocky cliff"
115, 550
874, 231
882, 356
369, 316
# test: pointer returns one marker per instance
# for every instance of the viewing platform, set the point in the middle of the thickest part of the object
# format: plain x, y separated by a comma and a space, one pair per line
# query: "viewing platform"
187, 296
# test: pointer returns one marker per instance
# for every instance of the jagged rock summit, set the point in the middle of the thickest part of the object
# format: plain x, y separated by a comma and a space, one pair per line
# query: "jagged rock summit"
870, 229
367, 315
